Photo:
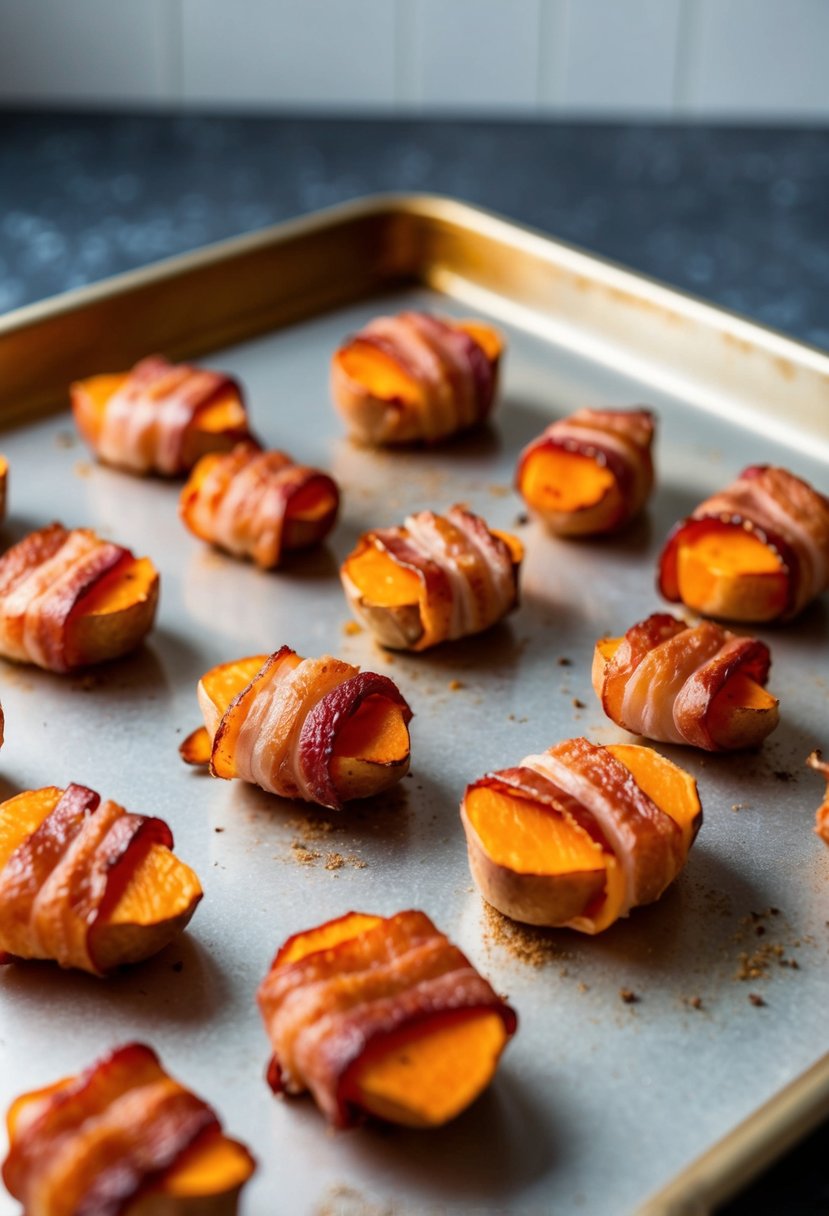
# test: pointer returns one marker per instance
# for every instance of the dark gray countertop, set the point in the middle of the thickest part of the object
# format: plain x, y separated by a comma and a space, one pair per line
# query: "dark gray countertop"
740, 216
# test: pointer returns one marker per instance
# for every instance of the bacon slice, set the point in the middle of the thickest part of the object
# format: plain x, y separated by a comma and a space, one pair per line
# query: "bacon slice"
256, 504
42, 580
782, 511
326, 1011
281, 730
445, 378
467, 574
146, 419
663, 678
67, 874
102, 1139
618, 441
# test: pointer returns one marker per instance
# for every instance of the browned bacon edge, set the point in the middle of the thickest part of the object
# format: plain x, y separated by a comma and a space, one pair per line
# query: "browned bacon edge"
748, 656
32, 551
318, 736
142, 1154
55, 611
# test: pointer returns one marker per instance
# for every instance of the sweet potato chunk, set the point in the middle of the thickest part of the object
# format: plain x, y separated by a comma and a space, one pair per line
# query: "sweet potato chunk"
816, 762
573, 490
156, 902
731, 573
204, 1180
541, 866
430, 1069
216, 428
114, 616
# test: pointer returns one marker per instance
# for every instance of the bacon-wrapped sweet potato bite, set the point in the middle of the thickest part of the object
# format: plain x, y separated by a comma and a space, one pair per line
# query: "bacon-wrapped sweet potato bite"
122, 1138
316, 729
435, 579
87, 884
757, 551
382, 1016
678, 683
69, 599
590, 473
580, 835
258, 504
415, 377
817, 762
160, 417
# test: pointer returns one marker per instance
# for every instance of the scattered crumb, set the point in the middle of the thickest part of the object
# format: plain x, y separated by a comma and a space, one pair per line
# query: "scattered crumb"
628, 996
218, 829
577, 704
455, 685
498, 491
355, 862
782, 775
583, 987
351, 629
521, 520
740, 806
83, 468
565, 662
334, 861
756, 999
694, 1002
304, 856
524, 942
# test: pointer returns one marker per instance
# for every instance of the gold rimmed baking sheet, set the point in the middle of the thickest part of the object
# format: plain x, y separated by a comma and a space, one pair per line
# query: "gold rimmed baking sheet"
599, 1104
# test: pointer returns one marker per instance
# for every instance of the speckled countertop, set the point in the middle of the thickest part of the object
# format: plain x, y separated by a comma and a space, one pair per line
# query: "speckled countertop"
740, 216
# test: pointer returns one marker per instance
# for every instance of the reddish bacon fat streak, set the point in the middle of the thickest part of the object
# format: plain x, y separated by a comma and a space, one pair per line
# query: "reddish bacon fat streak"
85, 883
258, 504
694, 684
160, 417
315, 729
363, 1012
435, 579
415, 377
757, 551
581, 834
121, 1139
590, 473
68, 598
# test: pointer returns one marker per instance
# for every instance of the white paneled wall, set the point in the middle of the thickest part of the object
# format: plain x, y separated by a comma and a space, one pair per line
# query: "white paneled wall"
608, 58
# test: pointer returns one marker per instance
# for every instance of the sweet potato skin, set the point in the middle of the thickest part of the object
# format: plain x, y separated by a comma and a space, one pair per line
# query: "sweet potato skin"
97, 634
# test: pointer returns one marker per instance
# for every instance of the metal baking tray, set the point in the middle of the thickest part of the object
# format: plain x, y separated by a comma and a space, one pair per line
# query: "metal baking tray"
599, 1106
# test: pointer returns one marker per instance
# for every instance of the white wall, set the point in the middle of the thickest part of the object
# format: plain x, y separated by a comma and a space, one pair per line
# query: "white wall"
717, 59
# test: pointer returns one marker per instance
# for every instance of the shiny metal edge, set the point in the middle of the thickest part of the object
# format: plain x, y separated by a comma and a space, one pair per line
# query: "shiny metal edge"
755, 1144
264, 280
238, 288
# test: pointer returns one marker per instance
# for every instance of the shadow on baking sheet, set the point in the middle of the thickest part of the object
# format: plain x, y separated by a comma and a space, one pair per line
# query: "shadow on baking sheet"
180, 984
487, 1152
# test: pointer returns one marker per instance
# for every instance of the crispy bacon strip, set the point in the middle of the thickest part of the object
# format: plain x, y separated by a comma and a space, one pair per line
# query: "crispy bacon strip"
646, 842
453, 372
281, 730
664, 676
467, 574
783, 511
245, 503
42, 579
100, 1140
619, 440
326, 1010
146, 418
62, 878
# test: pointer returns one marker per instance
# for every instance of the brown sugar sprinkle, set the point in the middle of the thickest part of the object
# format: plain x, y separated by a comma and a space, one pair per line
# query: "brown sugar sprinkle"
455, 685
498, 491
336, 861
565, 662
756, 999
305, 857
351, 629
526, 943
694, 1002
577, 704
628, 996
782, 775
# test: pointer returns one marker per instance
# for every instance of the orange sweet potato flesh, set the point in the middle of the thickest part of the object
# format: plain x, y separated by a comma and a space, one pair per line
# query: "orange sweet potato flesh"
205, 1182
555, 480
114, 616
424, 1076
375, 738
215, 429
154, 907
730, 573
740, 716
539, 867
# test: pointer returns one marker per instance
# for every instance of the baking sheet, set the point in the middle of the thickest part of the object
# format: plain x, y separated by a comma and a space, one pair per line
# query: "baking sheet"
597, 1102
